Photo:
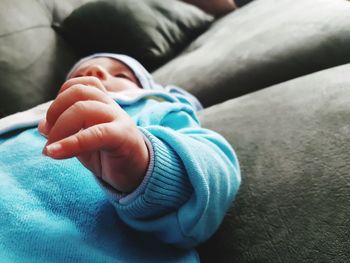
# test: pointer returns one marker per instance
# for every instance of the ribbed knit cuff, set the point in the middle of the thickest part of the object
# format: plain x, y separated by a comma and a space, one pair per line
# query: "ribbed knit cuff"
168, 186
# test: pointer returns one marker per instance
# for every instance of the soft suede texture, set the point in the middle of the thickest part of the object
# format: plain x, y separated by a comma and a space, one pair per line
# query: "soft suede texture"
293, 144
33, 58
240, 3
151, 31
261, 44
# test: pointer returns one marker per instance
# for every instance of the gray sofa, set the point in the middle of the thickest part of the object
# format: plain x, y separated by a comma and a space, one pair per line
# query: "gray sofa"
274, 78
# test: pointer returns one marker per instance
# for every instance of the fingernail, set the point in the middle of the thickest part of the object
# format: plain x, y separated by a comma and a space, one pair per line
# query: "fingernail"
43, 134
43, 128
53, 148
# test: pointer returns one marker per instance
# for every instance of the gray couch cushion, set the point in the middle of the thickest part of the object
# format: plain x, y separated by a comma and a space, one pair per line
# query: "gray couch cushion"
293, 144
33, 59
261, 44
152, 31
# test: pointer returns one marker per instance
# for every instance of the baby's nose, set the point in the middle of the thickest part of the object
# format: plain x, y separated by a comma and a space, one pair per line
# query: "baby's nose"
96, 71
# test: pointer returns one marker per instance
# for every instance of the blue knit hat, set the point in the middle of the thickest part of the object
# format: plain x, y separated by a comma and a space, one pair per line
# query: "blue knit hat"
143, 76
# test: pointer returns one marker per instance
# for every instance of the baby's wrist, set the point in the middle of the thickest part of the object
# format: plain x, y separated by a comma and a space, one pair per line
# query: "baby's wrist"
140, 189
126, 174
127, 197
166, 187
141, 165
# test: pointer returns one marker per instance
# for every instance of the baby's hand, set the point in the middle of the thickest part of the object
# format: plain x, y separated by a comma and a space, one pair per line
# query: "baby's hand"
84, 122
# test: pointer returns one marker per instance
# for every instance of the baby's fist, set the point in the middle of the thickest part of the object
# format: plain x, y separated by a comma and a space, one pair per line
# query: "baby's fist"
84, 122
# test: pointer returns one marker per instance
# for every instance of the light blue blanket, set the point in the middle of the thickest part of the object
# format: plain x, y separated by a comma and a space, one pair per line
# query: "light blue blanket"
55, 211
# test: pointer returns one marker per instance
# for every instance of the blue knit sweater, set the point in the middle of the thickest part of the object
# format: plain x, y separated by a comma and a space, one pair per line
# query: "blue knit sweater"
57, 211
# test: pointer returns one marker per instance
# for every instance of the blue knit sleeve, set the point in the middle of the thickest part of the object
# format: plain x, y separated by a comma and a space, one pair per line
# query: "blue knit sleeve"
193, 182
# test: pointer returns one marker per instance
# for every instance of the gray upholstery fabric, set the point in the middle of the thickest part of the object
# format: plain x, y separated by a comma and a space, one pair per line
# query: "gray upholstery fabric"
261, 44
293, 144
151, 31
34, 59
240, 3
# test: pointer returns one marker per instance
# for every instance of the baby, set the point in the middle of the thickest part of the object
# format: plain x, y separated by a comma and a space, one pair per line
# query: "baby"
162, 172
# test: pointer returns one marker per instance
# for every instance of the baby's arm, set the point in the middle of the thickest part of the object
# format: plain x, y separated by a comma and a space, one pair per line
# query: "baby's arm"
84, 122
193, 174
194, 178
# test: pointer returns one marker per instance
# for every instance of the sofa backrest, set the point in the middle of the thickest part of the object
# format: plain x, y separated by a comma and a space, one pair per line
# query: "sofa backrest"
261, 44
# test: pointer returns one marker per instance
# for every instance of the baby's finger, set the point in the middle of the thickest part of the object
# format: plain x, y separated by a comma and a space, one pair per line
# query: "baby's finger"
68, 98
42, 127
91, 139
81, 115
86, 80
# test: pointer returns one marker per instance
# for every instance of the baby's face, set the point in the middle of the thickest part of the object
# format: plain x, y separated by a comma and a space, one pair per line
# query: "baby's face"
114, 75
